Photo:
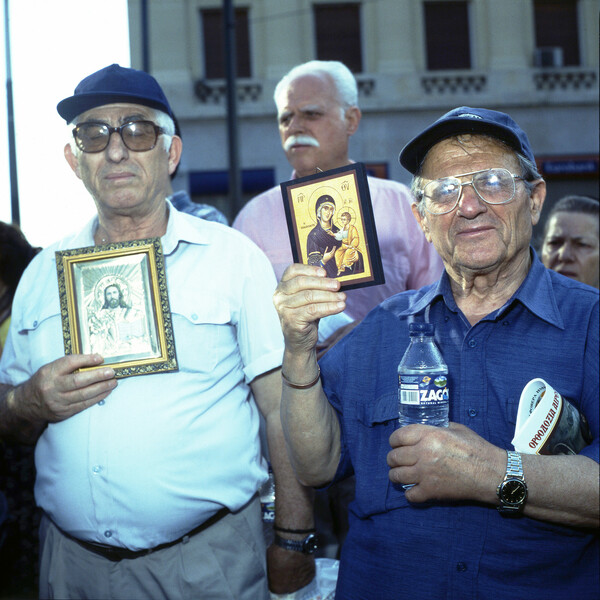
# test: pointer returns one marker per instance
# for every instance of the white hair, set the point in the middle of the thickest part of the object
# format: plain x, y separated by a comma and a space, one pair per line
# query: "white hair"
344, 81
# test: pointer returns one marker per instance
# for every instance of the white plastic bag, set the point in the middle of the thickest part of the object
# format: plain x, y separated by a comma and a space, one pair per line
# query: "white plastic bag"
322, 587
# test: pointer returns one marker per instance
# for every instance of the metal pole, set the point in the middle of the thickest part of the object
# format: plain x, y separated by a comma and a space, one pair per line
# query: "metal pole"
12, 154
145, 35
235, 188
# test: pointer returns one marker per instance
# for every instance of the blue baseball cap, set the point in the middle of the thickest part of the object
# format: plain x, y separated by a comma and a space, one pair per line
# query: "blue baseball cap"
465, 120
111, 85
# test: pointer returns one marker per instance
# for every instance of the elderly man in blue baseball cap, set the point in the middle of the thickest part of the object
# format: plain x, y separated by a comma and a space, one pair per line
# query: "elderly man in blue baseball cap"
463, 511
148, 484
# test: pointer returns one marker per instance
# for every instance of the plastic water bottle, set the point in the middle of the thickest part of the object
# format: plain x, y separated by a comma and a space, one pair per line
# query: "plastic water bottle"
423, 380
267, 506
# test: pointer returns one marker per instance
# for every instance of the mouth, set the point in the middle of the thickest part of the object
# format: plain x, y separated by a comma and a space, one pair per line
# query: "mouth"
475, 231
119, 177
567, 273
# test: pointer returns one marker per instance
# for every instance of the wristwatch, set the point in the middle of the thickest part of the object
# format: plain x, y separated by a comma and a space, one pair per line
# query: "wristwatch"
512, 492
308, 545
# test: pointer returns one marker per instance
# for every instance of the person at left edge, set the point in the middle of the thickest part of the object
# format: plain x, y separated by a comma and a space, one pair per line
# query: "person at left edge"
149, 486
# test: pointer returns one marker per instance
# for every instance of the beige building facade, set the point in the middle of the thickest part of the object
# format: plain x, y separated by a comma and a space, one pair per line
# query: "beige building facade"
413, 59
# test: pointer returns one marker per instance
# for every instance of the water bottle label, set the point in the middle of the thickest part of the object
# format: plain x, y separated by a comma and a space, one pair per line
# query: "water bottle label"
423, 390
268, 511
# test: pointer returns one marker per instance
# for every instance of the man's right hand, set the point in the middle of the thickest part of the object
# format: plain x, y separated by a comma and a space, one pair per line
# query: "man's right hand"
54, 393
304, 295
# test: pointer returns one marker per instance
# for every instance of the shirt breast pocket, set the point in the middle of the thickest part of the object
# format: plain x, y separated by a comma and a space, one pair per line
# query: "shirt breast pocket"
42, 327
201, 327
375, 492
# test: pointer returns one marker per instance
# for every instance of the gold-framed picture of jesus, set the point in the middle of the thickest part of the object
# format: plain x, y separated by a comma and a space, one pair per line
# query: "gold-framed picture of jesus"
330, 221
114, 302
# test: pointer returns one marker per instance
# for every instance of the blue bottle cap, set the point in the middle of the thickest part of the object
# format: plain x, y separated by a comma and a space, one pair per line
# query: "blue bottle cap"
420, 328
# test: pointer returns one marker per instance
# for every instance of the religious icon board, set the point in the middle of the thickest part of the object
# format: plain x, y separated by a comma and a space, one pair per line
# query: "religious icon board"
114, 301
330, 221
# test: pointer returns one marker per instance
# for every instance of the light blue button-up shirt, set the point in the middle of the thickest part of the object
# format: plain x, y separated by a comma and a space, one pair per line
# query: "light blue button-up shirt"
164, 451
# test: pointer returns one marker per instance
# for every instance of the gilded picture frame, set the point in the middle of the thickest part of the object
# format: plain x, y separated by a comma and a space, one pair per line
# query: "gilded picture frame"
114, 301
330, 222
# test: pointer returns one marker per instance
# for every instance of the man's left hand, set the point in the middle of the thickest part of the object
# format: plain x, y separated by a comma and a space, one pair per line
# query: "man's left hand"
445, 463
288, 571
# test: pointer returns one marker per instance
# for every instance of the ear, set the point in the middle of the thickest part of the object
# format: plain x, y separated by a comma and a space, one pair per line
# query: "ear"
353, 116
175, 153
72, 159
536, 201
421, 220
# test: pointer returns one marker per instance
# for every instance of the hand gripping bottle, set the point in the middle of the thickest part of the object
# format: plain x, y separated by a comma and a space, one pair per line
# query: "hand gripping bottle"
422, 380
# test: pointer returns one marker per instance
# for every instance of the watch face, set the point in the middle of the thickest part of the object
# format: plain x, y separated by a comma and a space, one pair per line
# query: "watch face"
514, 491
310, 545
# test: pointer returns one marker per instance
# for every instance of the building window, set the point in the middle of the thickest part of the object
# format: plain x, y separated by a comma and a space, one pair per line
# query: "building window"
447, 35
556, 33
211, 21
338, 33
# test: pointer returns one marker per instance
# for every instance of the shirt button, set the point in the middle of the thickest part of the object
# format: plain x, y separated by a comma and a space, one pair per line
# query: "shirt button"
461, 567
446, 319
108, 533
35, 323
194, 317
472, 343
472, 412
101, 403
505, 323
97, 469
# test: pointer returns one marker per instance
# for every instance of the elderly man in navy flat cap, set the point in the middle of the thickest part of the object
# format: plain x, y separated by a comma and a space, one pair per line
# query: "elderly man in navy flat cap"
148, 484
457, 511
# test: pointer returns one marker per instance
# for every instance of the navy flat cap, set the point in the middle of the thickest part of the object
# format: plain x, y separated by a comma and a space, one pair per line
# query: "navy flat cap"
465, 120
112, 85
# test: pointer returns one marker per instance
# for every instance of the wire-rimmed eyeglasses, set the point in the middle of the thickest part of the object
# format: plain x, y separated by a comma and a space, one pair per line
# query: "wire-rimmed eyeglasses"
493, 186
139, 136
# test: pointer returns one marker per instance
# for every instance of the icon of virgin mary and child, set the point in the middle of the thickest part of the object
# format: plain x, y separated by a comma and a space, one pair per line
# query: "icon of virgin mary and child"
328, 246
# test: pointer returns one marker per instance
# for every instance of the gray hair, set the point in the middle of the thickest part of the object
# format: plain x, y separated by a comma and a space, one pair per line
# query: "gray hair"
344, 81
161, 118
528, 170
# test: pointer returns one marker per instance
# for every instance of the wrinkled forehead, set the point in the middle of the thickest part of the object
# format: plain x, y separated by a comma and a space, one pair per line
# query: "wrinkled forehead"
306, 92
116, 114
466, 153
573, 224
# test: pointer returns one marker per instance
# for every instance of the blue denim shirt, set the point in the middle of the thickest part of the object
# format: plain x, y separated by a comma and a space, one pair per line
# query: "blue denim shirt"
549, 329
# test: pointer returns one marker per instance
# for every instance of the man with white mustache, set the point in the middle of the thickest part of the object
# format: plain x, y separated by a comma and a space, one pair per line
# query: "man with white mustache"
317, 113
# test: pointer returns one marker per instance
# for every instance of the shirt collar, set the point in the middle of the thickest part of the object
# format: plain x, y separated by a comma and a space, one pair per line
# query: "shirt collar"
183, 228
180, 228
83, 238
535, 293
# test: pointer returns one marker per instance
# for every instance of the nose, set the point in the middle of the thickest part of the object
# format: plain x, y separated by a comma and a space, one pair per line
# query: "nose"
565, 252
469, 203
296, 124
116, 151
